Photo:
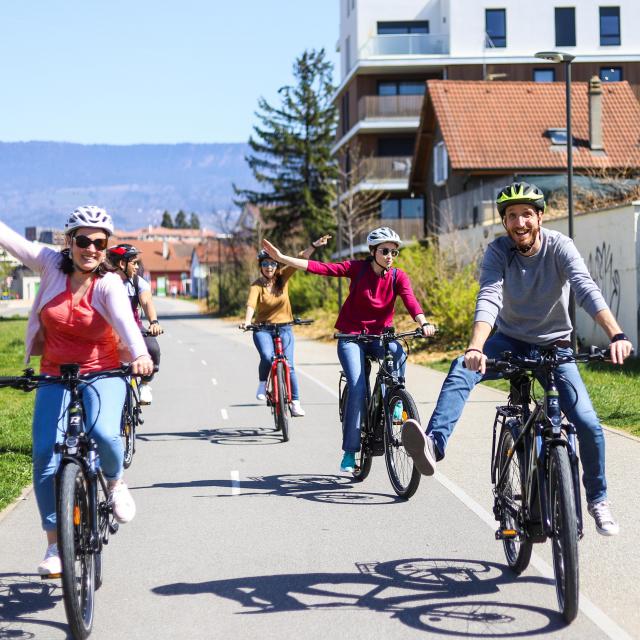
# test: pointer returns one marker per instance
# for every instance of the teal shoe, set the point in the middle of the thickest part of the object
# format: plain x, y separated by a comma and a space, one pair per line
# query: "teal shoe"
397, 411
348, 463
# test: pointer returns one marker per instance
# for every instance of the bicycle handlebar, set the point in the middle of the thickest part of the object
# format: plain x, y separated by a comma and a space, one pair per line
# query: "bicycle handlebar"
508, 362
269, 325
386, 336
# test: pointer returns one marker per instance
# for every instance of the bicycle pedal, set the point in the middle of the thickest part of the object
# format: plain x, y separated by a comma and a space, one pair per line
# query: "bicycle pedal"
113, 527
506, 534
51, 576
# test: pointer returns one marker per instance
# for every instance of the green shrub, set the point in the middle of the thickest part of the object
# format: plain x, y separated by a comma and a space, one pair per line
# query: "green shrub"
308, 292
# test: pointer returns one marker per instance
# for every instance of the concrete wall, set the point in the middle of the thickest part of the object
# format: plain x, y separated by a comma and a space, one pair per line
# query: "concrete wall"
609, 242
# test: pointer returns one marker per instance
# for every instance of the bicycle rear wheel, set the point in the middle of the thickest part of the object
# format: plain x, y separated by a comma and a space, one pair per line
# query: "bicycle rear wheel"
74, 542
283, 405
565, 533
128, 432
511, 500
363, 457
403, 475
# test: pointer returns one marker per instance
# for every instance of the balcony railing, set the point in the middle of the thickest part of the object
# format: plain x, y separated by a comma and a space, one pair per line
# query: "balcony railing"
417, 44
406, 228
385, 168
389, 107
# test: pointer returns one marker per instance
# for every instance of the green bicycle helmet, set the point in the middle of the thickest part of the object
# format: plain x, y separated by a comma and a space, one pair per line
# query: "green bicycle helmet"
520, 193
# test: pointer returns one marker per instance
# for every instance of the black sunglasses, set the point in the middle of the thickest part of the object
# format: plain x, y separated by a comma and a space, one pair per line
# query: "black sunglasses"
385, 251
84, 242
268, 263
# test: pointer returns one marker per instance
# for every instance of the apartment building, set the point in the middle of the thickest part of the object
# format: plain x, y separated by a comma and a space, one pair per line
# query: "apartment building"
388, 50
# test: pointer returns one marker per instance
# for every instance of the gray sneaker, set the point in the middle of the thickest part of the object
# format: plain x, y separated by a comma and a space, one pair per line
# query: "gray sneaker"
605, 522
419, 446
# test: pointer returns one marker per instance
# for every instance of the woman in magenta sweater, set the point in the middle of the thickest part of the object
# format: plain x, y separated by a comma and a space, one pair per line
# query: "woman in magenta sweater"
369, 307
80, 310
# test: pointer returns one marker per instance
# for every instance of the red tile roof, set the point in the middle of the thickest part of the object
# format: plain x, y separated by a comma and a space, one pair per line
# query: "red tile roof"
501, 125
178, 259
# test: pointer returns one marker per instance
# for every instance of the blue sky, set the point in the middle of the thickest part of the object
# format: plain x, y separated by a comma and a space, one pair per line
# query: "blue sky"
152, 71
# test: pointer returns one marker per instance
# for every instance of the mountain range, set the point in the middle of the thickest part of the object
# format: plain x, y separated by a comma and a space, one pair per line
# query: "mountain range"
42, 182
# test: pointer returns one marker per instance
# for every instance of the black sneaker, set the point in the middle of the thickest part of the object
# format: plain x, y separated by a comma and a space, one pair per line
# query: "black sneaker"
420, 447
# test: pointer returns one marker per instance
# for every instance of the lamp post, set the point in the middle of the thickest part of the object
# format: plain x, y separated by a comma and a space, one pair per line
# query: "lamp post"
567, 58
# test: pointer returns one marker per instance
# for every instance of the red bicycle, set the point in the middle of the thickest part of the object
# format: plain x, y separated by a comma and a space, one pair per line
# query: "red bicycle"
278, 389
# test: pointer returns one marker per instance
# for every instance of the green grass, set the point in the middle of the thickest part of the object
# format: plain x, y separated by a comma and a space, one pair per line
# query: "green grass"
613, 391
16, 410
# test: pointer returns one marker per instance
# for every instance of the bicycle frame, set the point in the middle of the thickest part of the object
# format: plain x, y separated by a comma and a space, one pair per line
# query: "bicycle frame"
542, 430
278, 356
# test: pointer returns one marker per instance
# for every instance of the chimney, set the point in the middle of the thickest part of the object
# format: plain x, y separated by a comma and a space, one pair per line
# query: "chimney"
165, 249
595, 114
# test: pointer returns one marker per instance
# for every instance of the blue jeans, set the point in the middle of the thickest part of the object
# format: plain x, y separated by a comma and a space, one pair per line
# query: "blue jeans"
103, 401
264, 343
574, 401
352, 358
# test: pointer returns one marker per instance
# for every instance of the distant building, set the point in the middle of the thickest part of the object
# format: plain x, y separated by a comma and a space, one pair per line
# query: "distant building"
44, 235
475, 137
389, 49
163, 233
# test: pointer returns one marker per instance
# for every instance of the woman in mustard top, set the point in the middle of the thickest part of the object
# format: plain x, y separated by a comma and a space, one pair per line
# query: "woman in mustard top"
269, 301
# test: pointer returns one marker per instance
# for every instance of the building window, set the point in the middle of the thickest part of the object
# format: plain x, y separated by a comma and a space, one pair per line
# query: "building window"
402, 88
609, 26
345, 112
495, 26
611, 74
440, 164
395, 28
544, 75
348, 2
565, 27
347, 53
390, 209
406, 208
396, 147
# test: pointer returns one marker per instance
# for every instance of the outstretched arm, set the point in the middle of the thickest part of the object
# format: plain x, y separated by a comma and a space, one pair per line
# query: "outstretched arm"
316, 244
276, 254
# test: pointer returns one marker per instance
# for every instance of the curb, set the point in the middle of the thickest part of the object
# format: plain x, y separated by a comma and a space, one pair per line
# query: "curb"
12, 505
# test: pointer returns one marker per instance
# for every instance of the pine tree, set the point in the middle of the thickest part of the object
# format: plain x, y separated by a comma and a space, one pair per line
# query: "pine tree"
167, 222
181, 220
194, 221
291, 156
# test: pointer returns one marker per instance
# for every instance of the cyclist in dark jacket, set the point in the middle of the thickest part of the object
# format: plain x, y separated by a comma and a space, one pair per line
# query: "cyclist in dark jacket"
525, 282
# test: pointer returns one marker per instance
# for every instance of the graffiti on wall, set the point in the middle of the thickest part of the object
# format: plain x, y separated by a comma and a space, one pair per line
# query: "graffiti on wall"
600, 265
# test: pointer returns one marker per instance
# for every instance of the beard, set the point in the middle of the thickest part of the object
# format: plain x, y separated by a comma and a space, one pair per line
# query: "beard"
526, 242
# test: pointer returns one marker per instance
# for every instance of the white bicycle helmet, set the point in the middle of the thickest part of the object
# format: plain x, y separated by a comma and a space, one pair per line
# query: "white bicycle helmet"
89, 216
382, 235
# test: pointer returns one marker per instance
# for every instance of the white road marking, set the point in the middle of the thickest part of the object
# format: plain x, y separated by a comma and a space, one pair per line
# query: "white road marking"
235, 482
204, 362
214, 382
191, 349
594, 613
225, 415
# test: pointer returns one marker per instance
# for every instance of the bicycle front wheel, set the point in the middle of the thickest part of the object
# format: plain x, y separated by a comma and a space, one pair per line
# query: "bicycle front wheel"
511, 500
74, 542
565, 532
404, 477
283, 405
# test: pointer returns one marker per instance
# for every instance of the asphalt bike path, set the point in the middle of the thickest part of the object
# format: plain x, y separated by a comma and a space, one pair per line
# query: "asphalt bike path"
240, 535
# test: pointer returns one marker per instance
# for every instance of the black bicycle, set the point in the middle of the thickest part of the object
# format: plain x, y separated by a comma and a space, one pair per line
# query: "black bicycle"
535, 470
278, 387
387, 408
84, 512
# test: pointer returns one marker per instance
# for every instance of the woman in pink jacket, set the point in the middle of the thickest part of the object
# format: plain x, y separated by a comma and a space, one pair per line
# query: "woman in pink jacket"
80, 309
369, 308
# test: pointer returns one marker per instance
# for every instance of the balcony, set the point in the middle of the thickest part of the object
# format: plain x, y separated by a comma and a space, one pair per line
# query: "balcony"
408, 44
380, 169
383, 107
407, 228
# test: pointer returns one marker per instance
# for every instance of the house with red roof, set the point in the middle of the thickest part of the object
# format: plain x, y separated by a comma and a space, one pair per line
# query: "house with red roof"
476, 136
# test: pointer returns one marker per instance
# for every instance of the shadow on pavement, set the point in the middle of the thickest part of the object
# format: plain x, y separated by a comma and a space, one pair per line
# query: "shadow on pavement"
440, 595
318, 488
232, 436
21, 596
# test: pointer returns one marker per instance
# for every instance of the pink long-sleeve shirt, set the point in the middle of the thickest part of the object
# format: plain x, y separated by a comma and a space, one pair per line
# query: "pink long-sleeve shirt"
109, 295
370, 304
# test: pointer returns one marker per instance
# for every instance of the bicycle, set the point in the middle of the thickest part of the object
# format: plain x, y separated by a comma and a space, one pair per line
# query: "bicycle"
131, 416
278, 387
535, 470
84, 512
388, 407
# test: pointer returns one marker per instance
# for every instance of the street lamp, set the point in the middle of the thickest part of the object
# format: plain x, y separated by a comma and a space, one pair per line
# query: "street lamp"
557, 57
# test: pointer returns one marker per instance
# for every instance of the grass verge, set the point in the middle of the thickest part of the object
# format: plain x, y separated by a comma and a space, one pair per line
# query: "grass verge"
16, 410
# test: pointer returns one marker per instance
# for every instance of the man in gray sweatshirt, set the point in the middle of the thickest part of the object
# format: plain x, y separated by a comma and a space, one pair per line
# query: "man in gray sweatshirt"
525, 282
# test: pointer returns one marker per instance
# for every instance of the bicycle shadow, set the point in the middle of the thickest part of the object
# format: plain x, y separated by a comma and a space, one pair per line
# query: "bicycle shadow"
236, 436
21, 596
438, 595
317, 488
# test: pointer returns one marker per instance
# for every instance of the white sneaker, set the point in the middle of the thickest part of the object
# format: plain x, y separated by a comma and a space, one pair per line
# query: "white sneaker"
51, 564
605, 522
261, 393
296, 410
124, 508
145, 394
